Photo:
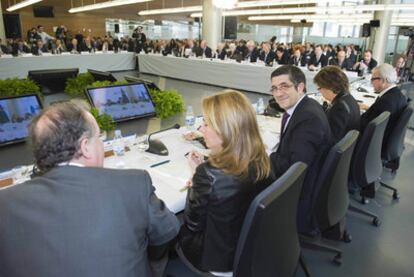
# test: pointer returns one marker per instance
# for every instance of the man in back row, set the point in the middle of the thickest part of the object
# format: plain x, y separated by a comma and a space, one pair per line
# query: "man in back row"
78, 219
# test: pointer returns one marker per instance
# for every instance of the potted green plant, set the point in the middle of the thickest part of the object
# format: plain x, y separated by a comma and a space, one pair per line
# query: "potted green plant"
105, 122
18, 87
167, 102
75, 87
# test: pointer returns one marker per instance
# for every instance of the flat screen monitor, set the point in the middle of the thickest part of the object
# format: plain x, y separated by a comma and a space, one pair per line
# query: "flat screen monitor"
102, 75
53, 80
15, 116
122, 102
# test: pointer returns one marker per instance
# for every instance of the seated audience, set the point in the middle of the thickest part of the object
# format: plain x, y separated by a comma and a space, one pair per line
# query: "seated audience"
3, 48
267, 56
343, 110
401, 69
87, 45
224, 185
204, 50
305, 136
33, 36
367, 64
77, 218
20, 47
341, 61
241, 49
281, 56
307, 52
252, 53
39, 48
74, 47
59, 47
297, 58
317, 59
390, 99
221, 52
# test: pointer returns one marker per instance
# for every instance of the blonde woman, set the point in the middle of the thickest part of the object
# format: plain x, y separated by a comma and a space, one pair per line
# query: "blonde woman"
223, 186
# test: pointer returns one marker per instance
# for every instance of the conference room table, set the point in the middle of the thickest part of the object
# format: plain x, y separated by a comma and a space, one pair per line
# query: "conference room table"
168, 178
18, 67
253, 77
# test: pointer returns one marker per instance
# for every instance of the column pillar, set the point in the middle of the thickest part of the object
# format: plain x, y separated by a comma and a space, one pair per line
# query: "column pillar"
297, 36
212, 22
381, 33
2, 32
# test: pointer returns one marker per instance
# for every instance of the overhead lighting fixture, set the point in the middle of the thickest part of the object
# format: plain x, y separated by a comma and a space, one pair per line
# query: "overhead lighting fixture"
106, 4
22, 5
252, 4
172, 10
364, 16
225, 4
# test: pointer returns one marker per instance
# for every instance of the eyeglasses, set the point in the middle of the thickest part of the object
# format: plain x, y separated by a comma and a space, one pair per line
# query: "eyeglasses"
282, 87
375, 78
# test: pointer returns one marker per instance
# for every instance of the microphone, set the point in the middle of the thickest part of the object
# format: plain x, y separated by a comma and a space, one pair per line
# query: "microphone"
156, 146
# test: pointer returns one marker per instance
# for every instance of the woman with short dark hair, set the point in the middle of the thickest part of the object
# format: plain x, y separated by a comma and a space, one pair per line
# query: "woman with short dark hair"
343, 112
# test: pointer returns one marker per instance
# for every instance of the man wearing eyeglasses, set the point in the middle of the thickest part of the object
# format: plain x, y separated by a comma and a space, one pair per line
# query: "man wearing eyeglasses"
305, 136
391, 99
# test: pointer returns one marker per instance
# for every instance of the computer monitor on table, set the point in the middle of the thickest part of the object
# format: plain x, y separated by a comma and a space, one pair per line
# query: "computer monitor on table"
122, 102
15, 115
102, 75
53, 80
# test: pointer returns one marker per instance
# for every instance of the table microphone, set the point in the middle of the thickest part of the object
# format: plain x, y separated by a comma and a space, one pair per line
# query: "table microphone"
156, 146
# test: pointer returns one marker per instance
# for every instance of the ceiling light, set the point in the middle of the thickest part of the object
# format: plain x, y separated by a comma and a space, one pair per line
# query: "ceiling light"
225, 4
172, 10
106, 4
22, 5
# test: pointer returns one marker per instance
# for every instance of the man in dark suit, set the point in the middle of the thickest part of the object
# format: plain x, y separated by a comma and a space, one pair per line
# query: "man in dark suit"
341, 61
20, 47
390, 99
318, 59
267, 55
305, 136
252, 53
367, 64
39, 48
343, 112
77, 218
204, 50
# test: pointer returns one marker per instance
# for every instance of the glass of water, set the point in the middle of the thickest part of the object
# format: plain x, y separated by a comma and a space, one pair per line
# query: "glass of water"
142, 143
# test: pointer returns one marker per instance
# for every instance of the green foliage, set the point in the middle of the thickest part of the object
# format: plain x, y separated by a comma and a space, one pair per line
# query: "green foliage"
105, 121
75, 87
98, 84
17, 87
167, 102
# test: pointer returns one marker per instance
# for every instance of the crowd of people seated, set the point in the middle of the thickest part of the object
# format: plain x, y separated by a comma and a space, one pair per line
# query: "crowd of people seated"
314, 56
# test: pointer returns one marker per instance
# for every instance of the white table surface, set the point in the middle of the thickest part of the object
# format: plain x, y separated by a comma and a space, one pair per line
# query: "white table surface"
18, 67
169, 179
254, 77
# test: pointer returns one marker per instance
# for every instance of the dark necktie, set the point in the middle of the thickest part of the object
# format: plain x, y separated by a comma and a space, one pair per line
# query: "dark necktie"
285, 118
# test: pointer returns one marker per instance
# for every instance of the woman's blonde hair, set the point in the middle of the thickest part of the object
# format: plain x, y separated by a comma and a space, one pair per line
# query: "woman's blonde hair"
232, 117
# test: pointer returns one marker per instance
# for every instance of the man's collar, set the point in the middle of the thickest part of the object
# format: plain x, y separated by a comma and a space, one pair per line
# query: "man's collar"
386, 90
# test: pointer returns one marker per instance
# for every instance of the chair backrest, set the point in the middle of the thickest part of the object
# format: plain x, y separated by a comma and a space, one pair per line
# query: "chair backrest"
268, 244
395, 143
366, 165
332, 199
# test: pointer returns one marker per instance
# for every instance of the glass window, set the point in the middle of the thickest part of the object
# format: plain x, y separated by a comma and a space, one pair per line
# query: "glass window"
347, 31
317, 29
331, 29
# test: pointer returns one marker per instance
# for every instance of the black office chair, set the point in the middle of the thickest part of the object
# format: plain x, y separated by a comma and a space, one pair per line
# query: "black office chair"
268, 244
395, 146
366, 165
331, 198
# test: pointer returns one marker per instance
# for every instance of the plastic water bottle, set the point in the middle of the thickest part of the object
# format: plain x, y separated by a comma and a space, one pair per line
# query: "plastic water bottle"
189, 118
260, 107
118, 144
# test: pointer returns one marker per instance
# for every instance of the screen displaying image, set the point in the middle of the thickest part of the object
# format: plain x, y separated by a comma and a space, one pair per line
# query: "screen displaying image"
15, 116
122, 102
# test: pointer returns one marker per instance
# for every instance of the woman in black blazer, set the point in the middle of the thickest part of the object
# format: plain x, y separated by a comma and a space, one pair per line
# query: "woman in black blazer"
224, 185
343, 112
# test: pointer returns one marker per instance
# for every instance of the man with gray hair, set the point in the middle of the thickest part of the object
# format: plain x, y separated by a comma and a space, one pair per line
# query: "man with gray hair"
391, 99
77, 218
